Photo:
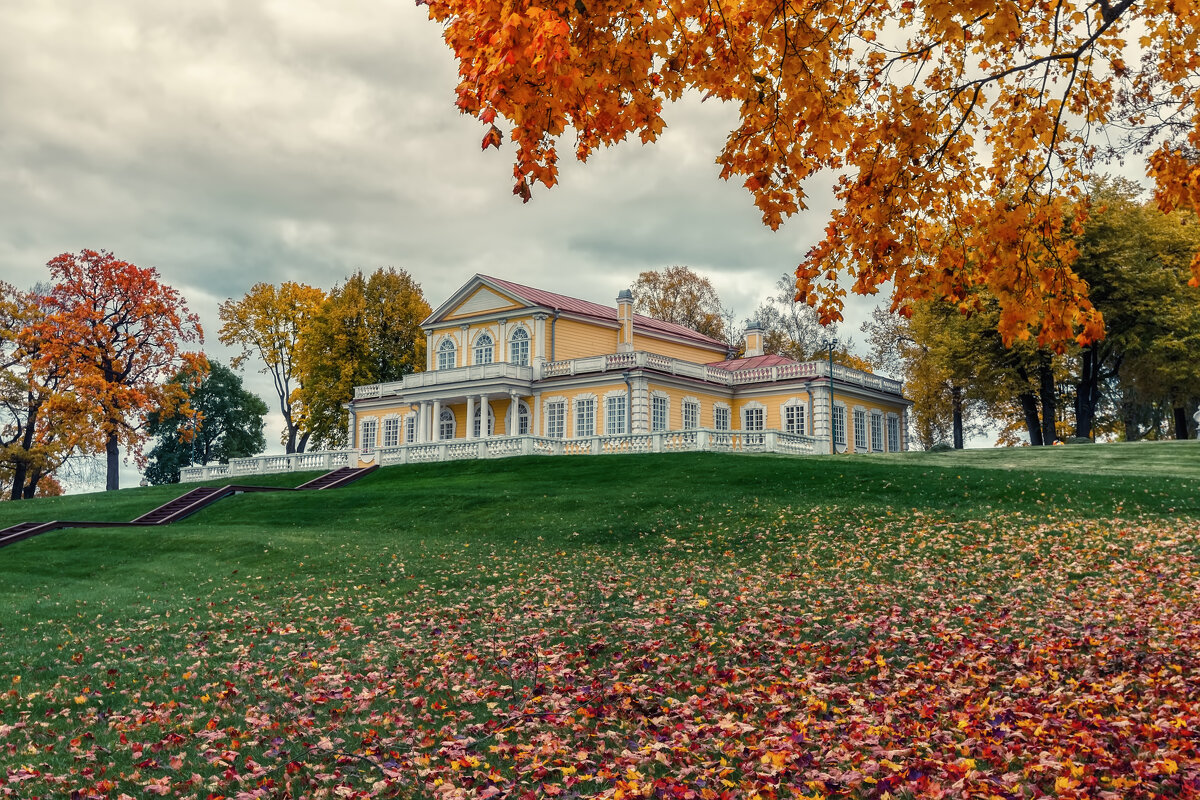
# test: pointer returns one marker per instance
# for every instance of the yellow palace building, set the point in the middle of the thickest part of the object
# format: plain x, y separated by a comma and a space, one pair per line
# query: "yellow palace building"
515, 370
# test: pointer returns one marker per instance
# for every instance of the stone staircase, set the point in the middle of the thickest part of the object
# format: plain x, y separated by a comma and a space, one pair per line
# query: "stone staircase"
184, 505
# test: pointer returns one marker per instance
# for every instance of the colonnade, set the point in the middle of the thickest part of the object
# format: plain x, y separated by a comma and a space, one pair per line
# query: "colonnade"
429, 414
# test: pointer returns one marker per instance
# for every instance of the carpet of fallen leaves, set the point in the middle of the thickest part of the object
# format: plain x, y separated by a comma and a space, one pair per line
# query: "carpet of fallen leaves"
808, 657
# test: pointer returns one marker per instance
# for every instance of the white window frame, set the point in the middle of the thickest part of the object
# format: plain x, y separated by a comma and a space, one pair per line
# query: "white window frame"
483, 353
877, 442
584, 409
860, 430
556, 417
524, 418
722, 416
839, 424
391, 431
410, 429
794, 415
447, 354
690, 413
616, 409
893, 433
752, 411
447, 425
367, 442
660, 412
519, 349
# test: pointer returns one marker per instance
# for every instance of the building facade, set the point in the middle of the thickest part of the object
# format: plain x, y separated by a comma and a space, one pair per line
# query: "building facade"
507, 360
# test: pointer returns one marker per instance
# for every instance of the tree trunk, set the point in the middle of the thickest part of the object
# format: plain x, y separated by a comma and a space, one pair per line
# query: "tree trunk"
1048, 397
303, 442
1030, 409
113, 457
1087, 393
290, 447
30, 488
1129, 421
21, 466
956, 404
1181, 422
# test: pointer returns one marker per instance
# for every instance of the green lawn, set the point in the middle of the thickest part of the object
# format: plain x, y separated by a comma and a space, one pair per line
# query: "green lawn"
1012, 622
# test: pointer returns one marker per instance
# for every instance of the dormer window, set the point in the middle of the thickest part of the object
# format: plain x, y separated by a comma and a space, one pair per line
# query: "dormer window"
483, 349
446, 354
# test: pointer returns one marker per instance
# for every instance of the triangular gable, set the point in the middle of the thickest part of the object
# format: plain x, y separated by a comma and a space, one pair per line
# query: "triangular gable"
475, 297
481, 301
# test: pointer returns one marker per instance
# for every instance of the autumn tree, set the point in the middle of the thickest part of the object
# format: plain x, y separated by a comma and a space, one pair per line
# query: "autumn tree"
792, 329
43, 425
118, 332
1135, 260
677, 294
227, 422
268, 323
367, 331
959, 132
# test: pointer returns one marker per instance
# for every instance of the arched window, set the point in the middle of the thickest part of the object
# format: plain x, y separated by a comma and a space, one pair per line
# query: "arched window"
446, 424
483, 349
446, 353
491, 420
522, 418
518, 347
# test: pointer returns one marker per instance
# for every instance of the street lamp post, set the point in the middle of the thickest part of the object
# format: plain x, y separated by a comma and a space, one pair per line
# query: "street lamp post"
830, 344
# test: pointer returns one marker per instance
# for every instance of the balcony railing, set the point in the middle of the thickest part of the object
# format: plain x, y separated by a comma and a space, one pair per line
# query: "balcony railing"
723, 377
445, 377
507, 446
617, 362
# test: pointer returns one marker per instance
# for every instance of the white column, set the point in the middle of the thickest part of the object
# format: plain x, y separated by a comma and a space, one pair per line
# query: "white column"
436, 432
483, 416
470, 432
510, 427
423, 422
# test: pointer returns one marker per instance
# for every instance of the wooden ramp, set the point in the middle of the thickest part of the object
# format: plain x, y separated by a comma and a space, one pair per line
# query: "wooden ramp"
184, 505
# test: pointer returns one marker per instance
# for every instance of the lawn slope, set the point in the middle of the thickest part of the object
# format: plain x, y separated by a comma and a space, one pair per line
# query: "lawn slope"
1008, 623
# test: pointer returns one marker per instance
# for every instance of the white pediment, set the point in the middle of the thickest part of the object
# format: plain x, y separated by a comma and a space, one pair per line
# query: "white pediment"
483, 300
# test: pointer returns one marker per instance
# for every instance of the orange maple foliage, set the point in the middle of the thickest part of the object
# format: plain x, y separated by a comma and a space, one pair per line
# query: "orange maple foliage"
959, 131
118, 331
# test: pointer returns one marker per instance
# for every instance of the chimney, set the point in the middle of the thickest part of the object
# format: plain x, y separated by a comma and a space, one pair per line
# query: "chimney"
754, 339
625, 321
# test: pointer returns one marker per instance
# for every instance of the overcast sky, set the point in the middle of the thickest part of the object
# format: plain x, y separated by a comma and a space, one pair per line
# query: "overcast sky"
226, 142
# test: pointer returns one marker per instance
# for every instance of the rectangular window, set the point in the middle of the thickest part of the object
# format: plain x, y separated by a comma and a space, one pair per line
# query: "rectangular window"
614, 415
721, 418
753, 419
391, 432
556, 419
860, 430
839, 424
893, 435
793, 419
691, 415
410, 429
585, 417
877, 432
658, 413
370, 429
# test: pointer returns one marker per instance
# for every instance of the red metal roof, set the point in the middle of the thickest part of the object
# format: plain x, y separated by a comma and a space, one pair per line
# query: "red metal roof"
574, 305
738, 364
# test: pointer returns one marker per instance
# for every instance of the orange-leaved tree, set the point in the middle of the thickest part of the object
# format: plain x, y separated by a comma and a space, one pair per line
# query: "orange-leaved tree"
119, 332
42, 423
959, 131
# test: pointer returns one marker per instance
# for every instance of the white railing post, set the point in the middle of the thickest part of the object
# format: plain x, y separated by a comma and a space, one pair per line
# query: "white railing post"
656, 443
771, 442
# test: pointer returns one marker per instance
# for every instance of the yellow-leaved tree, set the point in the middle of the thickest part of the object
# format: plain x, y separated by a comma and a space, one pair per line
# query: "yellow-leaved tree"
960, 131
268, 322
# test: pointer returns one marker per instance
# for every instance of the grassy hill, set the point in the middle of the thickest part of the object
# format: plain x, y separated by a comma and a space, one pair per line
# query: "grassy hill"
825, 626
